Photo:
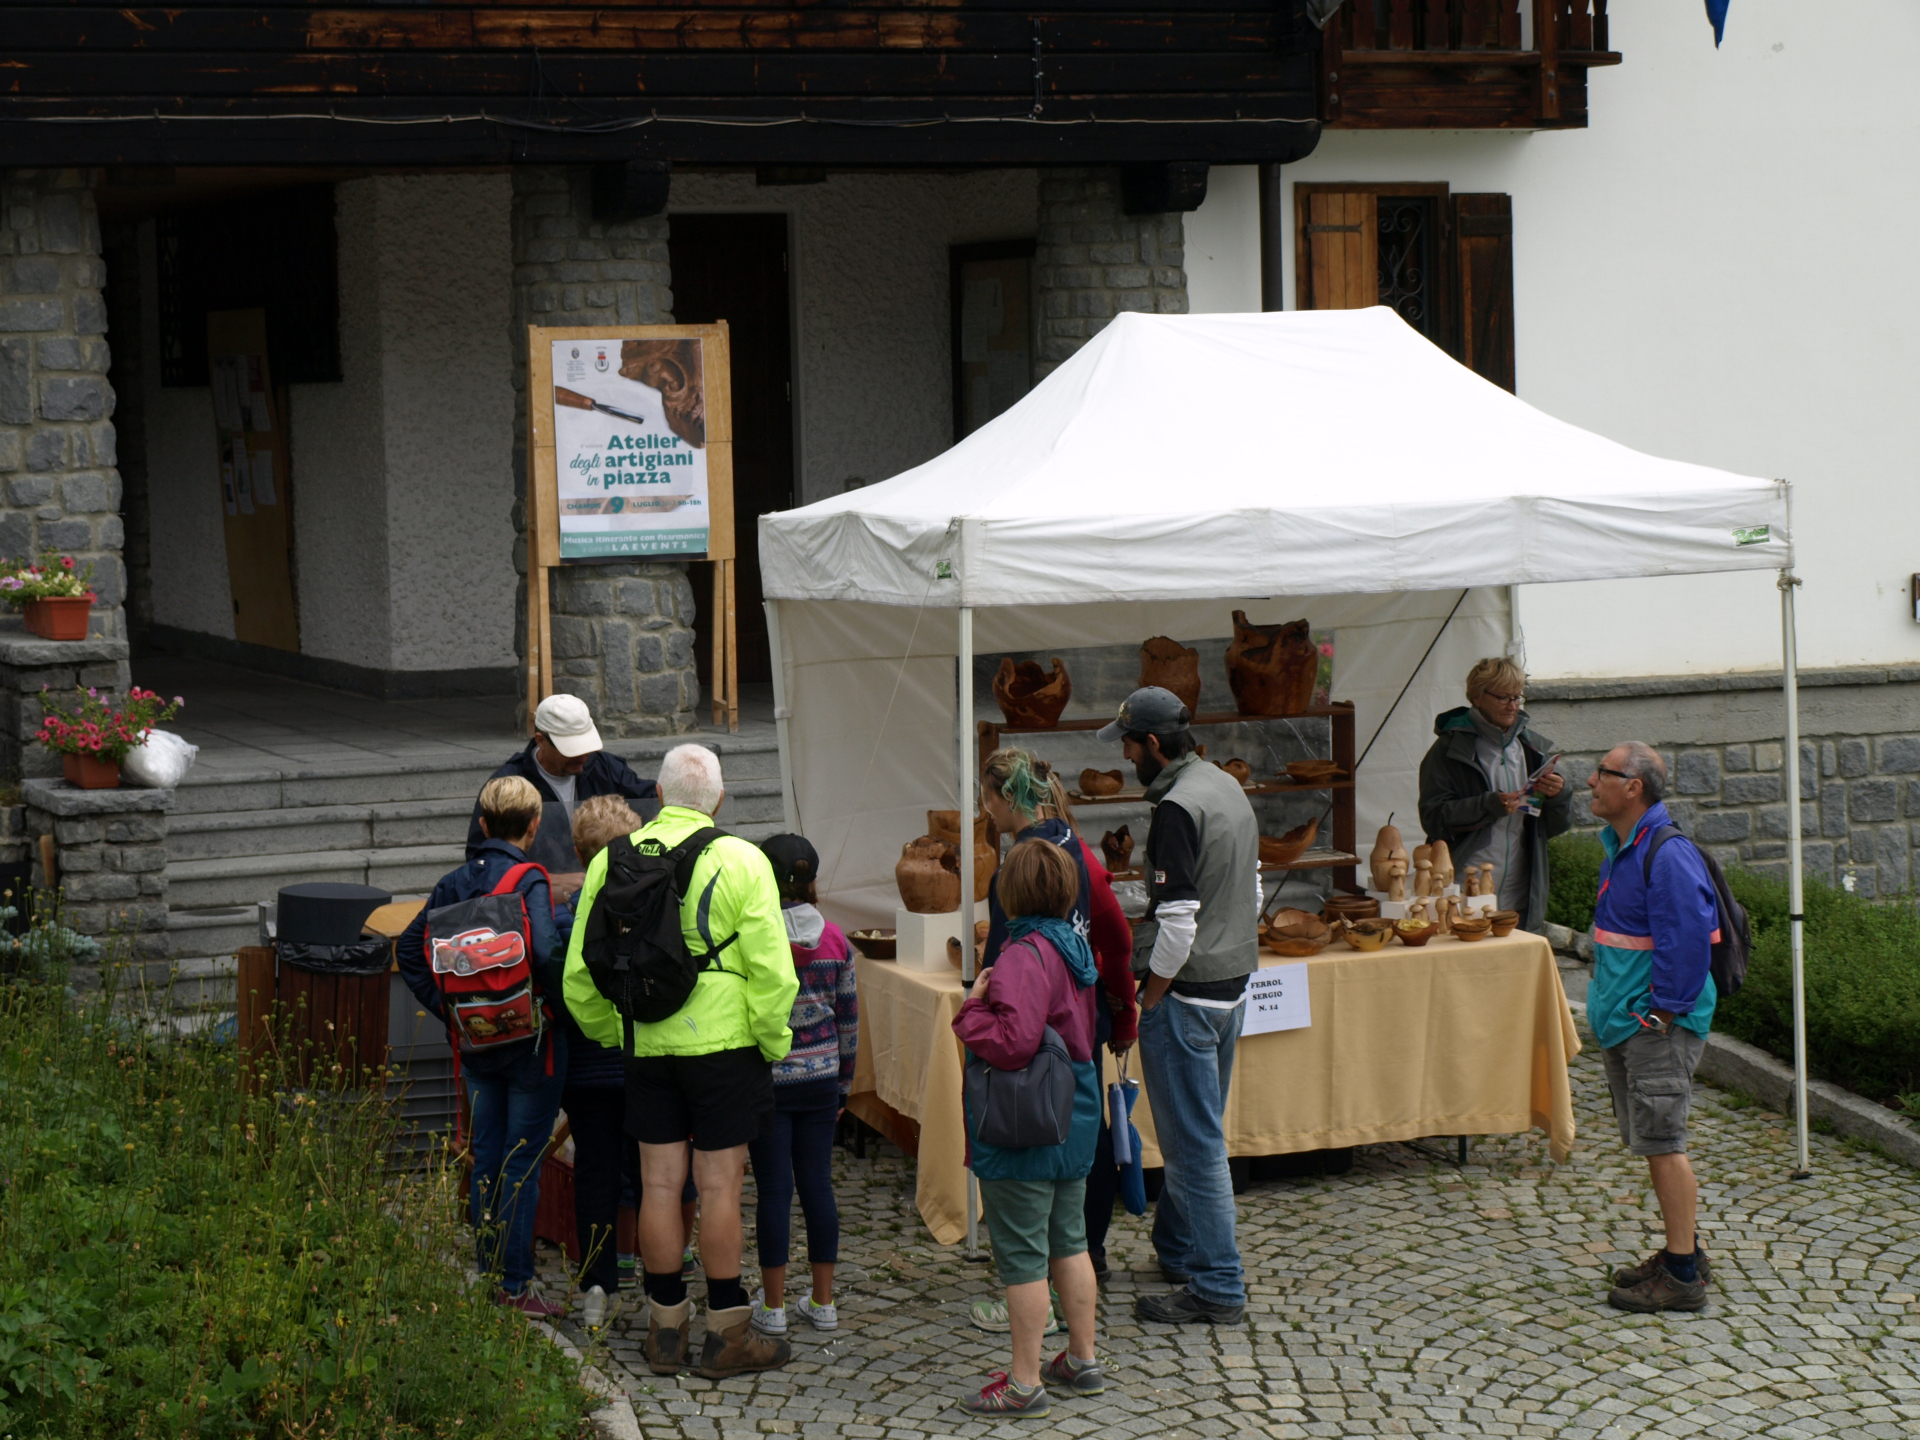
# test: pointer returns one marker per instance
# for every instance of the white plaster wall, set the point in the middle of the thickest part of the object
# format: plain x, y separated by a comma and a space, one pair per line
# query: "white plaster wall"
1223, 244
873, 382
446, 271
1711, 272
339, 484
189, 541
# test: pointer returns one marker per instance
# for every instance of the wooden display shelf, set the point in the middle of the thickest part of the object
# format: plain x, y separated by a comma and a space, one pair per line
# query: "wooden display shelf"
1342, 858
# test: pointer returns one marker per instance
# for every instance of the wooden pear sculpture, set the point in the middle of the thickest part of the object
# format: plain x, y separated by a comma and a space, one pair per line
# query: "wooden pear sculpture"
1384, 845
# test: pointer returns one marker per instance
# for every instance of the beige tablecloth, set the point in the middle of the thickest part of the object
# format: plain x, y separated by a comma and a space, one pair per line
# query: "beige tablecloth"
1451, 1039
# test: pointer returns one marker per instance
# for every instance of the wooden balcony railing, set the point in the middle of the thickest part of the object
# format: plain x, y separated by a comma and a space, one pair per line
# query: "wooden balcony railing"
1461, 64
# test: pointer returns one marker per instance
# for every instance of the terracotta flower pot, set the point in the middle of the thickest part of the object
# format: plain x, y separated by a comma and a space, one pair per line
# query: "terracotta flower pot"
1172, 666
90, 772
1272, 668
61, 618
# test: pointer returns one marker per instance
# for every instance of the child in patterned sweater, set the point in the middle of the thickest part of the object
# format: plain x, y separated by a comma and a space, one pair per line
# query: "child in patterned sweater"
809, 1092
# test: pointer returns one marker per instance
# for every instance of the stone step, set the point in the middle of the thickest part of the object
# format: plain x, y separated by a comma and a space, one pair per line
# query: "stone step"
209, 933
433, 777
212, 835
252, 879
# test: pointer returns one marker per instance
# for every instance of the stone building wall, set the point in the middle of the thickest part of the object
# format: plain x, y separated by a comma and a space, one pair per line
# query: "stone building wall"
1726, 764
57, 446
1093, 260
622, 632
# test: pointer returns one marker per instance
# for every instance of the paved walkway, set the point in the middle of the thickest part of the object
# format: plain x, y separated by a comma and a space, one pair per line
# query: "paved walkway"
1405, 1298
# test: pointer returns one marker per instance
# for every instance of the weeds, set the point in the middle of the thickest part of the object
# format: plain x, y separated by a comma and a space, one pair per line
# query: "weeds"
183, 1256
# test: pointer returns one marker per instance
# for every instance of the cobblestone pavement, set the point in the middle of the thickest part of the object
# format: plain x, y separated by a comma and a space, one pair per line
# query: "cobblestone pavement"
1406, 1297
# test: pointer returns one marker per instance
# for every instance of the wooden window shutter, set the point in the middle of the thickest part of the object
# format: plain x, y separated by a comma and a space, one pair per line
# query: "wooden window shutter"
1338, 260
1483, 267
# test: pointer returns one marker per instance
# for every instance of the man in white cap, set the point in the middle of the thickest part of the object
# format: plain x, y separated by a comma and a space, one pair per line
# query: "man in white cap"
566, 765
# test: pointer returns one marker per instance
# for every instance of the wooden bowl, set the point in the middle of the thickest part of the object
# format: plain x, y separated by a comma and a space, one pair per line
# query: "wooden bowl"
1101, 782
1504, 922
1239, 770
1029, 697
1351, 907
1478, 928
1367, 935
1313, 772
876, 944
1297, 934
1415, 933
1287, 848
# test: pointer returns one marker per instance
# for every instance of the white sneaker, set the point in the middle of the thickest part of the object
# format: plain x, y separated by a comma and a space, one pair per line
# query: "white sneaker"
765, 1320
821, 1317
598, 1309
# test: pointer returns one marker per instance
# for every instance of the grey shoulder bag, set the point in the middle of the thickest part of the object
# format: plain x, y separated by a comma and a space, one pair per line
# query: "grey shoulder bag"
1032, 1106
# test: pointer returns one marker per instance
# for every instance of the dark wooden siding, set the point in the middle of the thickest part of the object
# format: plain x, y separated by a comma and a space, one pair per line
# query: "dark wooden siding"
963, 82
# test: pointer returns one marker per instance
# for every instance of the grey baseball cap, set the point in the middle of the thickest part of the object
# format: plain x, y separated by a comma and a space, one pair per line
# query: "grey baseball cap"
1148, 711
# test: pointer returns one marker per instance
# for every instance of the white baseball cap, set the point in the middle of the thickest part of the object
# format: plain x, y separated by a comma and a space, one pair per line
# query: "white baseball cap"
567, 724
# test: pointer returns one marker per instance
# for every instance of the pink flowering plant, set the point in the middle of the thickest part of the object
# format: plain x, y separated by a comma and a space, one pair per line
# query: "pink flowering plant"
52, 577
98, 729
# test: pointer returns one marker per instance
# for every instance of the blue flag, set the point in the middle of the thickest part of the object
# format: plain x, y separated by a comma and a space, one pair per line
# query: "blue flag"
1717, 17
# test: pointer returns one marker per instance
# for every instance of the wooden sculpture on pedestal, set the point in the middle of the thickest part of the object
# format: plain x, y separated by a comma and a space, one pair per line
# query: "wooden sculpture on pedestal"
1442, 866
928, 876
1397, 882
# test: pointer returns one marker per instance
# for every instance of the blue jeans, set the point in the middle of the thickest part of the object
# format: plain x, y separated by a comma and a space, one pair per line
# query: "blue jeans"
513, 1117
797, 1148
1186, 1056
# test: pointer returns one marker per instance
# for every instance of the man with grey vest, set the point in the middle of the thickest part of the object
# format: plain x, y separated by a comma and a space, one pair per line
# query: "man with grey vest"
1193, 954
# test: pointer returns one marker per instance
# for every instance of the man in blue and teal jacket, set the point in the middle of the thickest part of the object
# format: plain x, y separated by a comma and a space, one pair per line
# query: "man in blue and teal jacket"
1651, 1005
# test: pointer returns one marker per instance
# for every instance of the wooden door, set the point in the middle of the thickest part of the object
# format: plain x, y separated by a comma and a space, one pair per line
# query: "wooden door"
256, 484
734, 268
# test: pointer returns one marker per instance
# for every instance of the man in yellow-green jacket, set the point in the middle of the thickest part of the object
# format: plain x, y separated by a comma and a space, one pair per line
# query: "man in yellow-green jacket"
701, 1081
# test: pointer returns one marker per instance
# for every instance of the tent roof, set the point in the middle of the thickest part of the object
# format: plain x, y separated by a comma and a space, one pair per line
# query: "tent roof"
1307, 452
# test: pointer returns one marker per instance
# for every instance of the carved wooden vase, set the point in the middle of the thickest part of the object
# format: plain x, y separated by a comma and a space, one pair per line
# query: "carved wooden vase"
944, 825
1172, 666
928, 876
1117, 847
1028, 696
1271, 667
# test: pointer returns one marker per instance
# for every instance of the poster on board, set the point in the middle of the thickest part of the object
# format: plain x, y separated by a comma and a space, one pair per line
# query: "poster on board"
630, 447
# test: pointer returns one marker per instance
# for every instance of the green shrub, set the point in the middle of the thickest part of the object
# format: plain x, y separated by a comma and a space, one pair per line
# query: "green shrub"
182, 1257
1862, 985
1573, 878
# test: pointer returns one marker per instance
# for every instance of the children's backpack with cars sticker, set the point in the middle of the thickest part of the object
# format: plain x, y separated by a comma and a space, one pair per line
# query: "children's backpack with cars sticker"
481, 954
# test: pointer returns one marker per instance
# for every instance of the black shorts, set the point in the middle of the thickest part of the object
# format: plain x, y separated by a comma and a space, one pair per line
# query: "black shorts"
718, 1101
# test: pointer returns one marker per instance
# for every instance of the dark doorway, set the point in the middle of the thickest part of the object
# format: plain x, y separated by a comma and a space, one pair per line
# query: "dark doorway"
734, 268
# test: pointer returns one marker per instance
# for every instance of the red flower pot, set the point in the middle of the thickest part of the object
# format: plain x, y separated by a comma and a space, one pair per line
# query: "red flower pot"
62, 618
90, 772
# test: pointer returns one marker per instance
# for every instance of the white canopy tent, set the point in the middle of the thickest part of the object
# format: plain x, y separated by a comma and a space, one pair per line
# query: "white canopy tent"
1332, 464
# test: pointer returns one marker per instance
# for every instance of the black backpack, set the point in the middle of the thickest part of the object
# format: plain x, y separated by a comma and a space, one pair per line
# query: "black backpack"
1729, 964
633, 948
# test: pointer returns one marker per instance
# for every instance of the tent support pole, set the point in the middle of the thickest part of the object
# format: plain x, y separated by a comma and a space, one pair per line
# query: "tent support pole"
963, 792
1796, 877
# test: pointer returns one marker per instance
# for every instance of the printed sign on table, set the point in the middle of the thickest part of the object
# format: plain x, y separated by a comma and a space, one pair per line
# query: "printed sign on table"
1277, 1000
630, 447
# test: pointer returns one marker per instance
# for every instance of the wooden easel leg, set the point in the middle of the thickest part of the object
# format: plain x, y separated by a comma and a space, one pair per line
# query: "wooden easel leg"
717, 672
733, 658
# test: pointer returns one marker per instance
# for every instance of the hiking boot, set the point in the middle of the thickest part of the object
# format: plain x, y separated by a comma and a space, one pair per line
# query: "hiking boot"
1002, 1397
689, 1264
1660, 1292
668, 1330
597, 1308
1173, 1276
732, 1347
1626, 1279
991, 1315
531, 1305
1102, 1272
1183, 1307
821, 1317
1068, 1371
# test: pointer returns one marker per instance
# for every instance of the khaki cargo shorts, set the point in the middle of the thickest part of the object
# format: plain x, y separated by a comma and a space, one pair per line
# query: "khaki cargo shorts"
1651, 1076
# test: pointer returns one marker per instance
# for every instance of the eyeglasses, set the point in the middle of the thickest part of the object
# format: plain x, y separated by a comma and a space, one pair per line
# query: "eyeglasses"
1499, 699
1617, 774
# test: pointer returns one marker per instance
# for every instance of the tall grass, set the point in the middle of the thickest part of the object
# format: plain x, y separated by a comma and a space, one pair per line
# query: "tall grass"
184, 1256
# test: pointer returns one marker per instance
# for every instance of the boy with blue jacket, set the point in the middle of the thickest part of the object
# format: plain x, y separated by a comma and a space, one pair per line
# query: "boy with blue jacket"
1651, 1005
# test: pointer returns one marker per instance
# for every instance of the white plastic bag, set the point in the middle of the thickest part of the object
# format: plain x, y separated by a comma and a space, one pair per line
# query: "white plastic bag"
160, 762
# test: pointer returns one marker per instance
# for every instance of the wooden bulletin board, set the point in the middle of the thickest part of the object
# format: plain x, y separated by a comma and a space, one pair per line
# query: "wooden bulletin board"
687, 406
256, 481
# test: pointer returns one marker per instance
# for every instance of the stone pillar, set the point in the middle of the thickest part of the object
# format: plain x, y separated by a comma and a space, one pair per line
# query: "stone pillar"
622, 632
110, 859
1093, 260
29, 666
57, 452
